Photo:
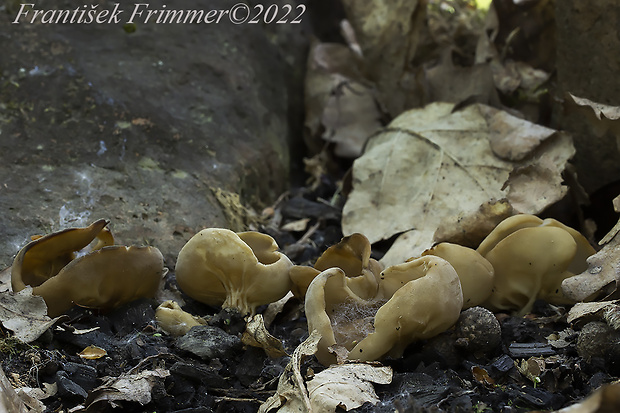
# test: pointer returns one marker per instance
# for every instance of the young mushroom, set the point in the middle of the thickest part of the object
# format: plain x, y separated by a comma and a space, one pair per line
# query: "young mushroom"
531, 258
106, 277
174, 321
351, 255
234, 270
415, 300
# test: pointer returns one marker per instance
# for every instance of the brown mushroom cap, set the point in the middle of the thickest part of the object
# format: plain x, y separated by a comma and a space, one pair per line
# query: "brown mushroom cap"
475, 272
505, 228
105, 277
242, 271
44, 257
352, 255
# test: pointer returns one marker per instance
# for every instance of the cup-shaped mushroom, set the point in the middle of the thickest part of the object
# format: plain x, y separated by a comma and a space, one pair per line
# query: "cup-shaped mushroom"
505, 228
531, 257
352, 255
45, 256
416, 300
101, 277
222, 268
530, 263
428, 303
475, 272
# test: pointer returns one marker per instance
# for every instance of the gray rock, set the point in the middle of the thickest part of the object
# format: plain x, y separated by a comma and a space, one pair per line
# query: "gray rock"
208, 342
67, 387
156, 130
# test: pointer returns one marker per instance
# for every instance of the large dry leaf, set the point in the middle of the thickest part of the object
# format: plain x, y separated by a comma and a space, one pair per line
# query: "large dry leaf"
24, 314
446, 82
431, 165
347, 386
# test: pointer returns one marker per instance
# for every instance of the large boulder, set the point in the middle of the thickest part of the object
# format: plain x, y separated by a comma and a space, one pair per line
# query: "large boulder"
158, 129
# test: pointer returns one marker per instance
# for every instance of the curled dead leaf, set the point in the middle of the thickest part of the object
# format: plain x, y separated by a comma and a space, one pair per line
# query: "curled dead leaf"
256, 335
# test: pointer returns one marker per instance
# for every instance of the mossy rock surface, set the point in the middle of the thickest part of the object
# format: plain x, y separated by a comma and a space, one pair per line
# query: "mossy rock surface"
141, 128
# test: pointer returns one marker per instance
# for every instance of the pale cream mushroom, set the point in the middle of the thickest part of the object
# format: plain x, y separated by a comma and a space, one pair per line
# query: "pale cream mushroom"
243, 271
531, 257
352, 255
475, 272
415, 300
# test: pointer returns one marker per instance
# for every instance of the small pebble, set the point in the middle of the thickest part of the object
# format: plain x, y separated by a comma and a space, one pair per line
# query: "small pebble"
478, 331
598, 339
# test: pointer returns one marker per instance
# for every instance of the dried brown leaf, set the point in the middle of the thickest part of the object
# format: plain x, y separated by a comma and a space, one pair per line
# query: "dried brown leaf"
432, 165
127, 387
388, 34
608, 310
292, 395
340, 104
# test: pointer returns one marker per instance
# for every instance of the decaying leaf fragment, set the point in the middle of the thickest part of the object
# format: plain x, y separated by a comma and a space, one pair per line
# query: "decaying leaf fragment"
607, 310
9, 401
292, 395
340, 104
24, 314
388, 34
92, 353
347, 386
601, 117
133, 387
431, 164
603, 270
256, 335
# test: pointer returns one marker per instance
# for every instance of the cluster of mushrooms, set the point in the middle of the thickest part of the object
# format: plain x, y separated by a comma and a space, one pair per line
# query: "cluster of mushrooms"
362, 310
